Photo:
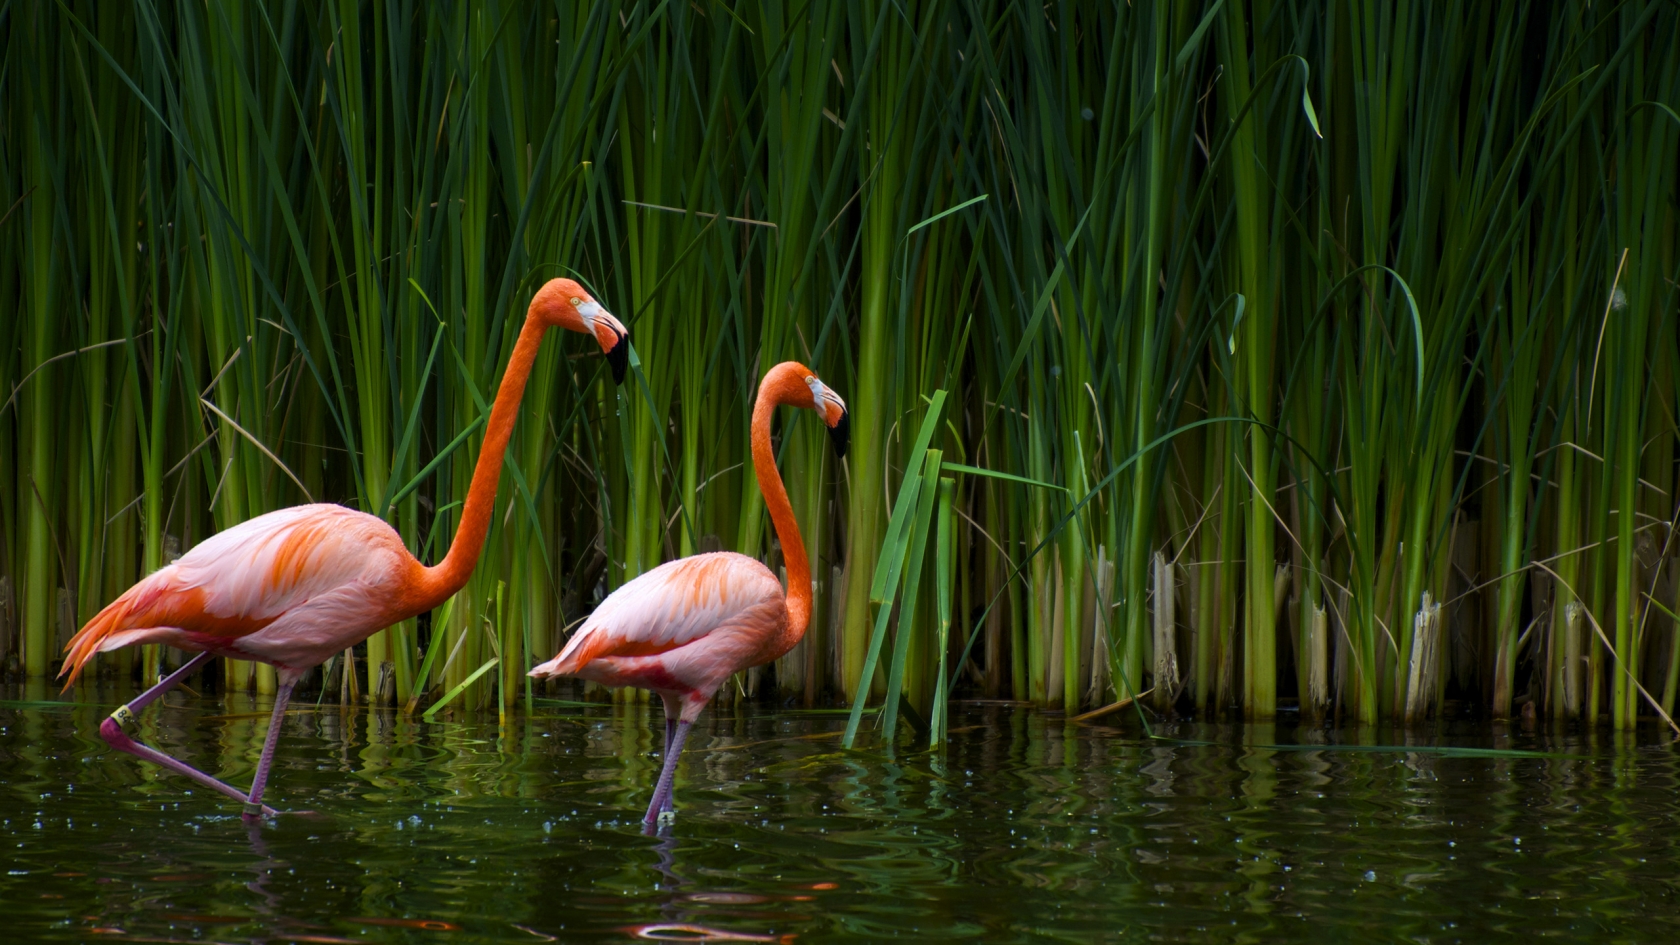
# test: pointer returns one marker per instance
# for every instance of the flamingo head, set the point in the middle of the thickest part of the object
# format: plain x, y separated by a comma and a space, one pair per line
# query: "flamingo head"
565, 304
832, 410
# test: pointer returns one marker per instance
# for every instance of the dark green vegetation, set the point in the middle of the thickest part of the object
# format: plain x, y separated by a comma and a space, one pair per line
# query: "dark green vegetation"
1404, 281
1025, 829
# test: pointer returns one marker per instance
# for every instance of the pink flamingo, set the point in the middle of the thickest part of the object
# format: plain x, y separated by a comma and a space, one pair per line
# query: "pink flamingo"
296, 586
683, 628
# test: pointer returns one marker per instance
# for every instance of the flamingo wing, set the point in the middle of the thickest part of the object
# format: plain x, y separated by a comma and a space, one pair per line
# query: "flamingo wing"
244, 579
670, 606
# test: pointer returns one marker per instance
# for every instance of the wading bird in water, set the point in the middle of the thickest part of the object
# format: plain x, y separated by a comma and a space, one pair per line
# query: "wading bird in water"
685, 627
296, 586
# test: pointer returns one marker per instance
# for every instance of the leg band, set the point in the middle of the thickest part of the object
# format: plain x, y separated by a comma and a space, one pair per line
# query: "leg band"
124, 717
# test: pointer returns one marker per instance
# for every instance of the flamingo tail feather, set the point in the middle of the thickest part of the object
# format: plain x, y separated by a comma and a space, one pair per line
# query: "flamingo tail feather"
106, 631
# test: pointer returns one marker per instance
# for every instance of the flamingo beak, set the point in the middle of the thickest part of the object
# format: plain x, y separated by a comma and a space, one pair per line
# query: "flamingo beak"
601, 323
618, 356
841, 433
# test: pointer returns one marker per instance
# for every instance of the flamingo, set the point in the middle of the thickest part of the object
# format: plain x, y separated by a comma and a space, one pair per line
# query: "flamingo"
685, 627
295, 586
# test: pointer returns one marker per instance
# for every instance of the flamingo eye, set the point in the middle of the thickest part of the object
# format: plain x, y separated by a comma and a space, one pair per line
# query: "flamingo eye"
818, 395
577, 302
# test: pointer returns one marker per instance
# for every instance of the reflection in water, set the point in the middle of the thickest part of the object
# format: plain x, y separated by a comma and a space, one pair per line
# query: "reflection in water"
1024, 829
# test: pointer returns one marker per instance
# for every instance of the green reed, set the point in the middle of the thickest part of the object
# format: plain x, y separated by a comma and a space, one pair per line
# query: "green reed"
1417, 265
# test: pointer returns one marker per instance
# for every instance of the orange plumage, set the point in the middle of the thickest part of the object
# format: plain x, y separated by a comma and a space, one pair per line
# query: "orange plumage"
295, 586
685, 627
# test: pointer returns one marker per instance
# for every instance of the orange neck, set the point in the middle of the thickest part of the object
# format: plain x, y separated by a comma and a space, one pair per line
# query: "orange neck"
451, 574
782, 388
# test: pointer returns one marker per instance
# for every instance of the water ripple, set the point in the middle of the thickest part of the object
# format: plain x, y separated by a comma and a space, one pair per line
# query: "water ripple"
1024, 829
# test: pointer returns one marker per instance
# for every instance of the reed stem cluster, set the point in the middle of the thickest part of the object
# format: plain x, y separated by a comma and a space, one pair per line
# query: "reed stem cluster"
1328, 349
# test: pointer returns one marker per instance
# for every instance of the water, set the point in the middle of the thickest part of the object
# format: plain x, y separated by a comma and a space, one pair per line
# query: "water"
1025, 829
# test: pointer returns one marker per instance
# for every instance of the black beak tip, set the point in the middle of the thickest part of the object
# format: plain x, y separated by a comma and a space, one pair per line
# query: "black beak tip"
841, 432
618, 357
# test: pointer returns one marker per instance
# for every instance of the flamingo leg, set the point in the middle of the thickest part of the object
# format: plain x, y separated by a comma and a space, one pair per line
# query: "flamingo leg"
673, 708
253, 805
662, 794
167, 683
670, 736
112, 731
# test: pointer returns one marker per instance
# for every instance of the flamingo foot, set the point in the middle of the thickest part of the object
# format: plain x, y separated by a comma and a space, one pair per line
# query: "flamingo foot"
262, 813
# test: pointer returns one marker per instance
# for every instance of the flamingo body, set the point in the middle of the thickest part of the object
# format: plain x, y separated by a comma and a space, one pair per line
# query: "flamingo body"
289, 588
293, 587
681, 629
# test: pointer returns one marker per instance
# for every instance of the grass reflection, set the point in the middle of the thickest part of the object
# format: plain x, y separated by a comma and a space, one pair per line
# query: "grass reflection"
1025, 828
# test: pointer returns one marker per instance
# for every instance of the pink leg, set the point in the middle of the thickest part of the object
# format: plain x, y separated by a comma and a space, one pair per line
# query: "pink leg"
112, 731
670, 736
673, 708
662, 794
167, 683
254, 808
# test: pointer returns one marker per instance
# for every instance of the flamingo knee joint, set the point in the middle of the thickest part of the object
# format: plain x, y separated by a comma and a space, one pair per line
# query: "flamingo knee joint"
124, 717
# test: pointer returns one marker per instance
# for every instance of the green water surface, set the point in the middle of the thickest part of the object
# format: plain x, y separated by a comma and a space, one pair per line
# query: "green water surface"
1025, 828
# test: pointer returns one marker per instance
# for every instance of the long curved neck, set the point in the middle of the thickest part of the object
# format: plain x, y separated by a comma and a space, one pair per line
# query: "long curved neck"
781, 514
451, 574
